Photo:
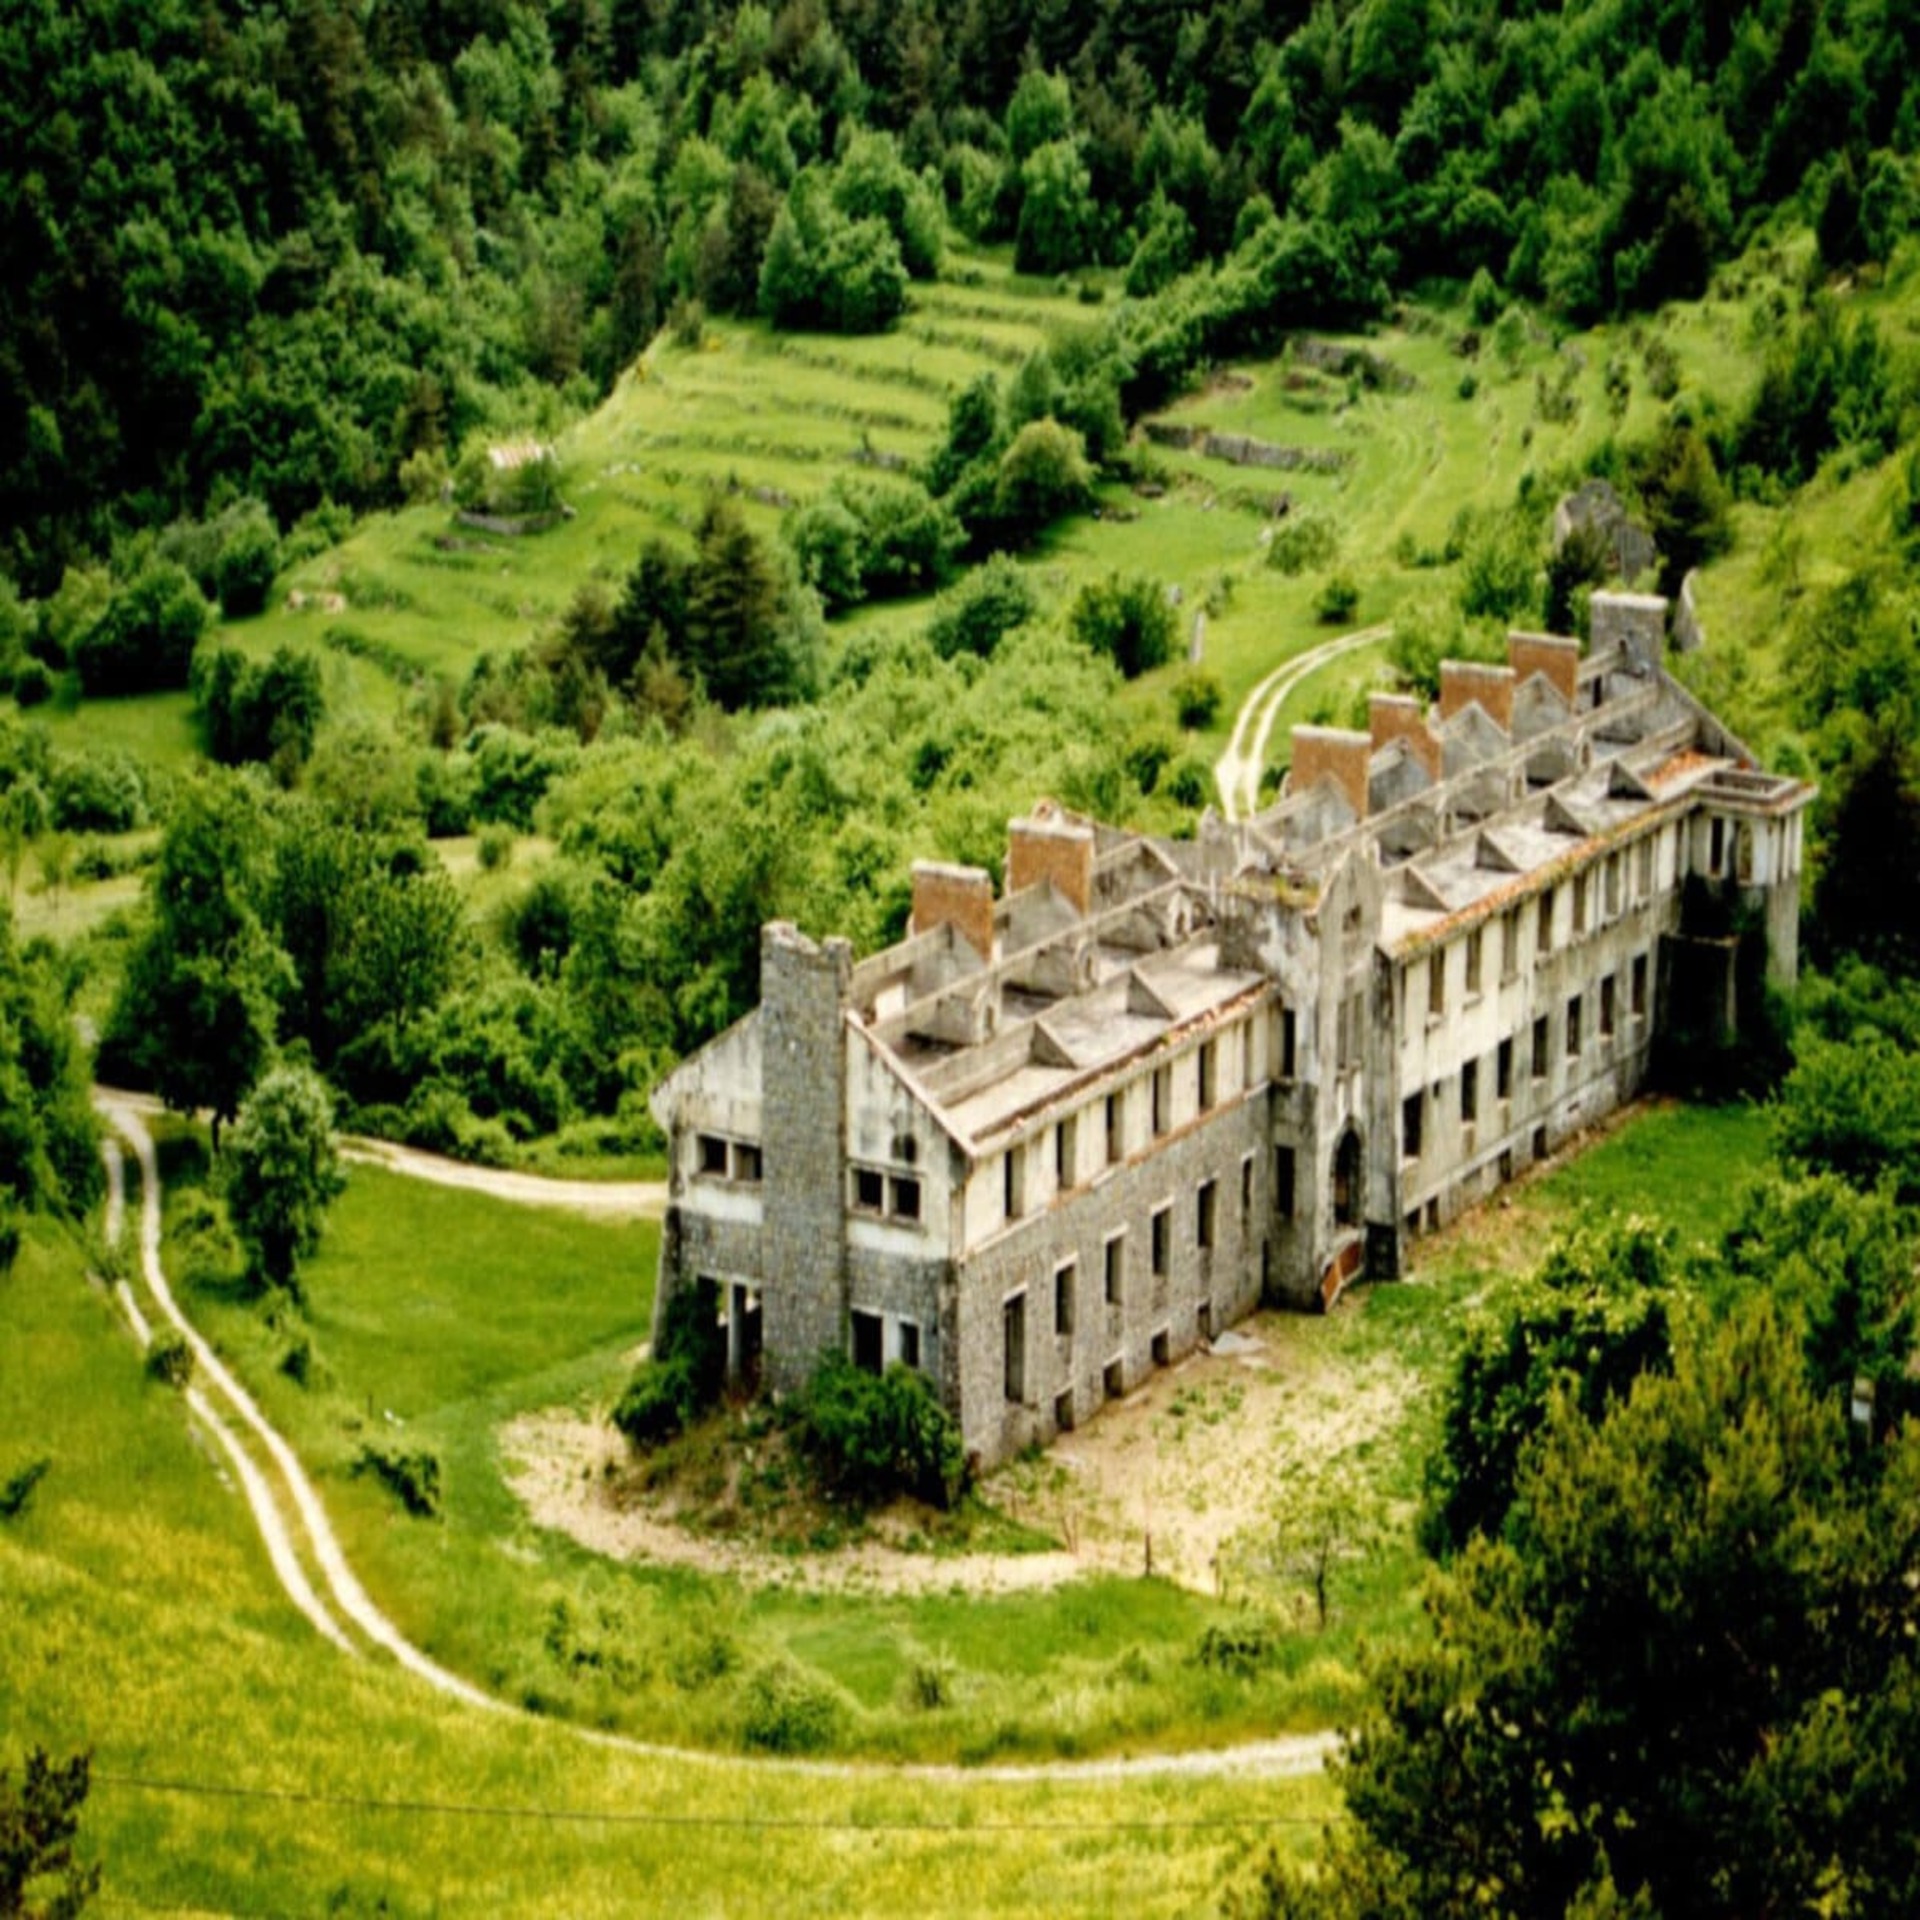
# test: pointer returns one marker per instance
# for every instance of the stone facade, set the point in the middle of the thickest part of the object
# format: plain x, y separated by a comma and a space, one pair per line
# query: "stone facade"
1053, 1141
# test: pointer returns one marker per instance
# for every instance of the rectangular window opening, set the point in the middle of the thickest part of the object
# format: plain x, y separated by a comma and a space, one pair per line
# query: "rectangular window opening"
1066, 1281
1289, 1034
1503, 1071
1639, 986
713, 1155
869, 1190
1470, 1093
868, 1344
1542, 1039
1573, 1027
1162, 1099
910, 1345
1543, 925
1283, 1182
905, 1197
1412, 1113
1246, 1189
1510, 946
1162, 1348
1475, 940
1114, 1379
1116, 1264
1013, 1327
1065, 1143
1206, 1205
1436, 984
1063, 1411
1162, 1222
1014, 1174
747, 1164
1209, 1073
1606, 1008
1116, 1143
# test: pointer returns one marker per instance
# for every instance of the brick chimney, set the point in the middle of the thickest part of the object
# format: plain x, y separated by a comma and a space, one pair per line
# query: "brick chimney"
1044, 847
1320, 752
1552, 654
1398, 716
956, 897
1466, 683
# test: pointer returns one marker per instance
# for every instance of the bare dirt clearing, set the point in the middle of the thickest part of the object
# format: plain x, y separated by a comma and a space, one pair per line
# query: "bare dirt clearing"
1181, 1478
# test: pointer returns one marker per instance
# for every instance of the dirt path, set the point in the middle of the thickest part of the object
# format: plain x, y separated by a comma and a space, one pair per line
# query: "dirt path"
223, 1403
1237, 772
601, 1199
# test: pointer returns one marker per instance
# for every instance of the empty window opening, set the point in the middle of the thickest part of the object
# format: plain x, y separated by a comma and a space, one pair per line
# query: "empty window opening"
1433, 1216
713, 1155
1542, 1040
1573, 1026
1470, 1093
1613, 886
1162, 1099
1162, 1222
1543, 925
1206, 1205
1114, 1379
1066, 1281
910, 1345
1205, 1320
906, 1198
869, 1350
1475, 940
1716, 845
869, 1190
1065, 1143
1606, 1008
1209, 1073
1412, 1113
1639, 985
1116, 1141
747, 1164
1283, 1182
1116, 1262
1503, 1071
1013, 1326
1643, 868
1743, 854
1246, 1189
1162, 1348
1289, 1039
1580, 903
1510, 946
1014, 1173
1063, 1411
1436, 984
1539, 1143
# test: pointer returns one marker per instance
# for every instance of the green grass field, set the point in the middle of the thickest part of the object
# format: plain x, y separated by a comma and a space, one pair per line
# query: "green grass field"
241, 1766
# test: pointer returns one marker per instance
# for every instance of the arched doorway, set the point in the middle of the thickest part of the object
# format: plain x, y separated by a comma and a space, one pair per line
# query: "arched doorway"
1346, 1180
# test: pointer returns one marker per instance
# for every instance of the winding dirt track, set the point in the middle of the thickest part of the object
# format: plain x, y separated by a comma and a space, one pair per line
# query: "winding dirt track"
1237, 772
291, 1541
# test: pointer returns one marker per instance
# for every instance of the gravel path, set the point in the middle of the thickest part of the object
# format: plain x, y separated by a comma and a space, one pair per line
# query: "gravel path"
225, 1401
1237, 772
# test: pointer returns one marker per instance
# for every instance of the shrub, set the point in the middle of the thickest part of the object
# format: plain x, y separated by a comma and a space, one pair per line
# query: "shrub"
873, 1436
412, 1478
1197, 695
17, 1489
170, 1360
1240, 1647
1337, 600
243, 575
983, 609
791, 1709
1303, 540
33, 684
683, 1375
495, 848
1127, 618
143, 639
1189, 784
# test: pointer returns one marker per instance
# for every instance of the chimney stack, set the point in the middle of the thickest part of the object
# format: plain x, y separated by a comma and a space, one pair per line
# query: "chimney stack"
1321, 753
1469, 683
1398, 716
1047, 846
1551, 654
1634, 622
956, 897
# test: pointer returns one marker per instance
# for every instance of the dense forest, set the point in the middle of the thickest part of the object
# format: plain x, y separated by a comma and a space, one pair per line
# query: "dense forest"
296, 254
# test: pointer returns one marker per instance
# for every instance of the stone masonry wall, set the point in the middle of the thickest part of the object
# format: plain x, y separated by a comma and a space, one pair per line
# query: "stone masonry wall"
1069, 1373
803, 989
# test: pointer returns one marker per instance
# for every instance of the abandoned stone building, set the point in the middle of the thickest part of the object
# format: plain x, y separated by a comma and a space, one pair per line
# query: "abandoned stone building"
1055, 1139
